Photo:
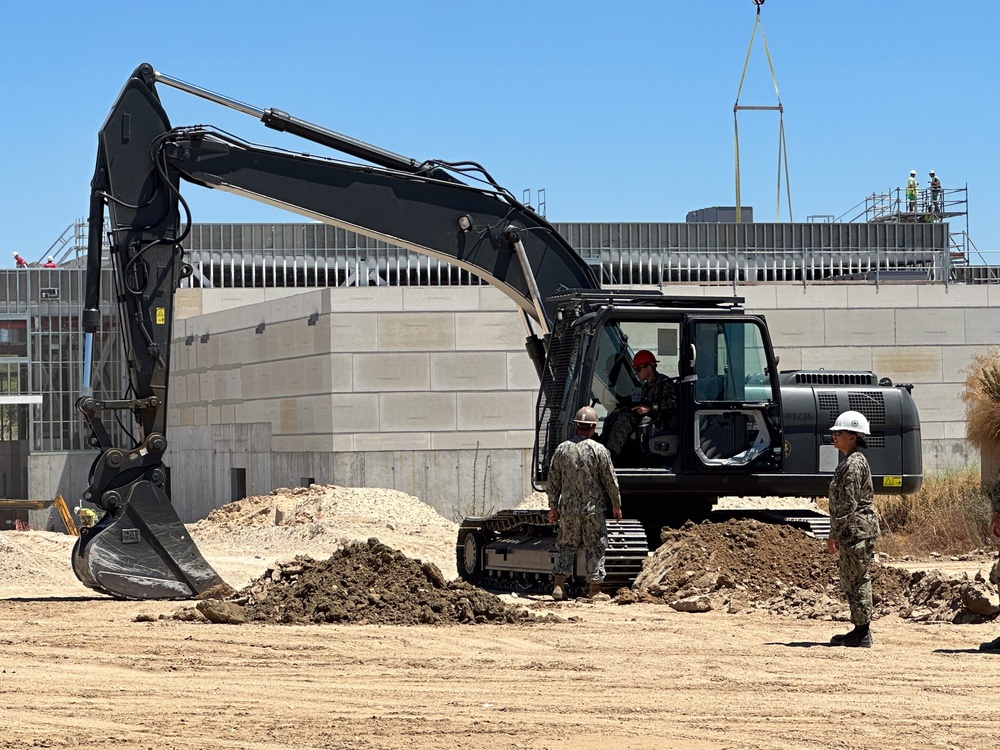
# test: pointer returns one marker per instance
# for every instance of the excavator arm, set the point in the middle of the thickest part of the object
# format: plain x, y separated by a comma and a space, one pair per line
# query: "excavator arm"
140, 549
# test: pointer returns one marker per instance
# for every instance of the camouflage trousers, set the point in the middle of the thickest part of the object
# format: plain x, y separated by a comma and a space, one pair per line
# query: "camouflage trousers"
618, 427
581, 531
855, 579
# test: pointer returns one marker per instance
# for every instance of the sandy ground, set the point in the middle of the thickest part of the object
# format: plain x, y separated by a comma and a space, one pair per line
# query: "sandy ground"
82, 670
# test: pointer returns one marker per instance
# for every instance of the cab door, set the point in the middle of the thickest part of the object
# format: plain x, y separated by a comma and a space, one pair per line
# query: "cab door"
730, 396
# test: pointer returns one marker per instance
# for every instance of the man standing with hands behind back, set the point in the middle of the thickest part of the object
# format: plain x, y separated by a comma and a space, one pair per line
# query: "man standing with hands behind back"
580, 475
853, 525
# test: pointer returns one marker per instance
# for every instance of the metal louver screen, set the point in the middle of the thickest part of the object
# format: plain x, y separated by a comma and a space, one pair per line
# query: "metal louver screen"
869, 403
556, 379
829, 402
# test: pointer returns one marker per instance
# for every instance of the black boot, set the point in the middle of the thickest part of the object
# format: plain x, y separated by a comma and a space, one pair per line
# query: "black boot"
993, 645
860, 637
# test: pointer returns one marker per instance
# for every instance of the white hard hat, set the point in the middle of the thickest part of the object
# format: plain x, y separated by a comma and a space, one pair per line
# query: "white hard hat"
913, 171
851, 421
932, 172
15, 253
50, 257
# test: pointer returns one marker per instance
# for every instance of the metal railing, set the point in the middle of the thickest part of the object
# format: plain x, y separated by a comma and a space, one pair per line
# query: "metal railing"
314, 255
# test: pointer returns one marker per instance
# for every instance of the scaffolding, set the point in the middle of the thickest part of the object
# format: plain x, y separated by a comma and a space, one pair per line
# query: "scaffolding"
930, 207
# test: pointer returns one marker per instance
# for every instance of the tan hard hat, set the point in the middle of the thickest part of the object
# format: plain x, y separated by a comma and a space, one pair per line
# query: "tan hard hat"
586, 416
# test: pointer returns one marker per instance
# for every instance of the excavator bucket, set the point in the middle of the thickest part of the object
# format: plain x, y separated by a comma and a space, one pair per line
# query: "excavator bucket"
143, 553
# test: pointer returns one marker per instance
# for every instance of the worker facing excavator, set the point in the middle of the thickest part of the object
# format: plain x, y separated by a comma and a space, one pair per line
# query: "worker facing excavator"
581, 480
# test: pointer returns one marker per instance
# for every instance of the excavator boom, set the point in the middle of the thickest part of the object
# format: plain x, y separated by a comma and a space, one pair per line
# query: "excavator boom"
140, 548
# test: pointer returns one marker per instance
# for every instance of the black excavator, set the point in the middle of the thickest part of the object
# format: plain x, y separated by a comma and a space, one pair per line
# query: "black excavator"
741, 427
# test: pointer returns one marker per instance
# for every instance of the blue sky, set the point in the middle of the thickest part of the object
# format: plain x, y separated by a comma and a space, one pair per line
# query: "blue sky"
620, 111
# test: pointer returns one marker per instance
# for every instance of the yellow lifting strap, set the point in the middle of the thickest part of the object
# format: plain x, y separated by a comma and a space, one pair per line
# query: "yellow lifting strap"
782, 152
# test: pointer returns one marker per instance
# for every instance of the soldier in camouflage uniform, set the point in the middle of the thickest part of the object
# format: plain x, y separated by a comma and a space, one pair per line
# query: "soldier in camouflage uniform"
581, 475
658, 401
853, 525
994, 527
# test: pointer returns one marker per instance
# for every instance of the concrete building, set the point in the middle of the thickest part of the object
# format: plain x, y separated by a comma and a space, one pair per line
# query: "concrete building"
411, 375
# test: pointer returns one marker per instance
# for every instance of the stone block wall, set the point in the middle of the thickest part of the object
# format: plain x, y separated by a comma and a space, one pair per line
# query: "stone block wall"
430, 391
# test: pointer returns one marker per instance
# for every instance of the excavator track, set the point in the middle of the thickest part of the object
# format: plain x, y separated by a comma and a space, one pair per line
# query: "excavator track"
514, 550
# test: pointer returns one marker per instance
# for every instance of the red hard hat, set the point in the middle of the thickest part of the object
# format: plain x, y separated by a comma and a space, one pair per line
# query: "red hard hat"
643, 357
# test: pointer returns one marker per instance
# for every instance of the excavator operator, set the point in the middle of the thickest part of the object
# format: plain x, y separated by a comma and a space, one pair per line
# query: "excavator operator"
656, 399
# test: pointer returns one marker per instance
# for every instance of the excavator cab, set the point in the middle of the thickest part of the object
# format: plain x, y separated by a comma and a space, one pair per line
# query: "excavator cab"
727, 417
721, 364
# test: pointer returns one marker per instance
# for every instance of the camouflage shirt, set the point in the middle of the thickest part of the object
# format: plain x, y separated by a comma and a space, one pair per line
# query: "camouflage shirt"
580, 475
852, 509
995, 496
660, 394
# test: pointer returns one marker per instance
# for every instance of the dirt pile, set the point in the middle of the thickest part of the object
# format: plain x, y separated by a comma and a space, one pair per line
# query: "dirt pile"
366, 583
745, 564
318, 520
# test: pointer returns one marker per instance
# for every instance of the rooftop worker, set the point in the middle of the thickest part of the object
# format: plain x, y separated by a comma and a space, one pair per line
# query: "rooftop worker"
911, 192
21, 262
581, 476
853, 525
935, 185
87, 516
50, 263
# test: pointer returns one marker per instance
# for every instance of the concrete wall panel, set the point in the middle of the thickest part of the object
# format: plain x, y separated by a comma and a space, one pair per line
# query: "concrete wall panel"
436, 299
882, 296
957, 360
482, 440
953, 295
939, 402
849, 328
857, 358
355, 299
798, 328
982, 326
403, 412
499, 410
490, 331
353, 332
521, 373
921, 327
811, 297
429, 331
454, 371
908, 364
392, 372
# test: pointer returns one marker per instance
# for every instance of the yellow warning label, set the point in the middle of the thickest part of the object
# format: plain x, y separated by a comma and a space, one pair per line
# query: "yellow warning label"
161, 316
892, 481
